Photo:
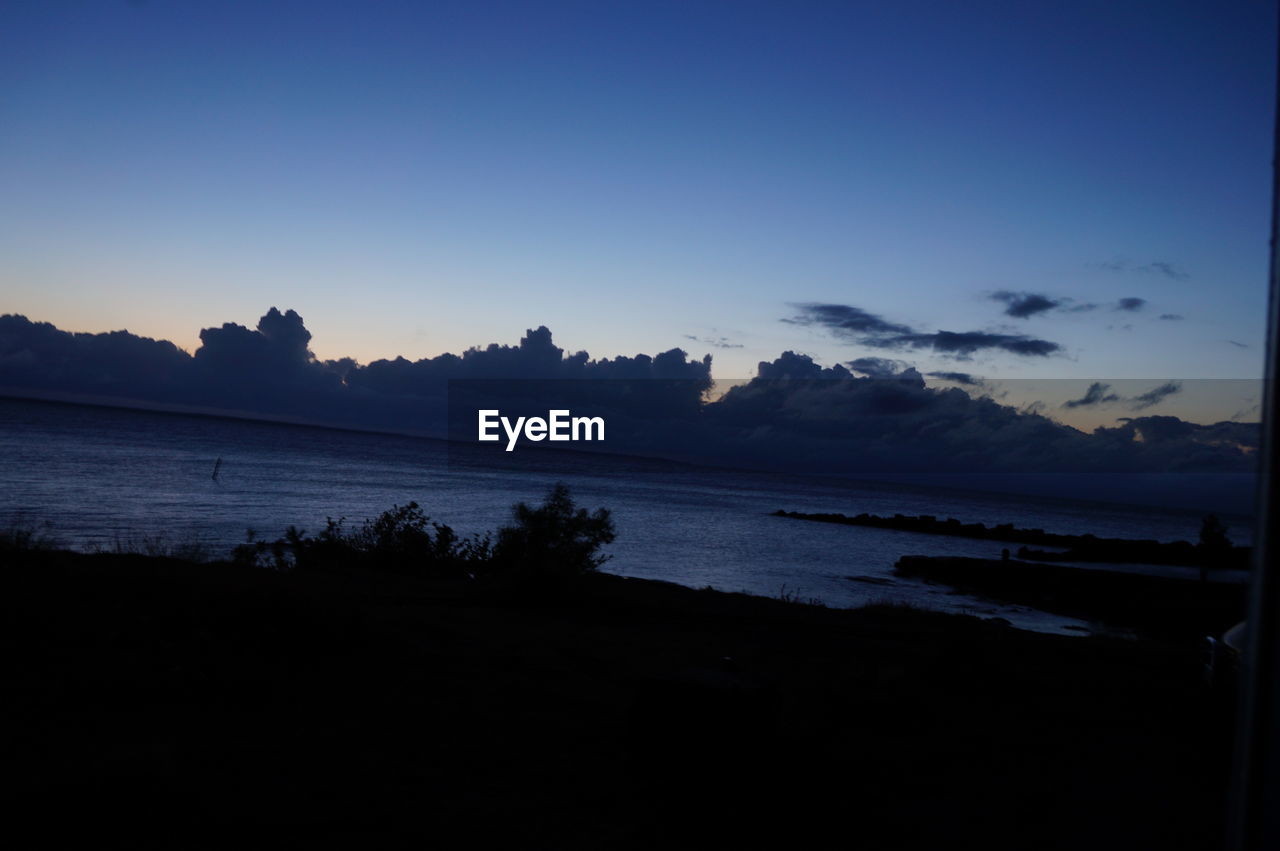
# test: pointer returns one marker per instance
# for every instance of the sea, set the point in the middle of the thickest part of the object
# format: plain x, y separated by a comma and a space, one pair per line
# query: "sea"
95, 478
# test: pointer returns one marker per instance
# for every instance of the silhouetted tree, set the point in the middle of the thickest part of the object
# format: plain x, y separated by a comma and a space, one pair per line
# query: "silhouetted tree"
546, 545
555, 541
1214, 544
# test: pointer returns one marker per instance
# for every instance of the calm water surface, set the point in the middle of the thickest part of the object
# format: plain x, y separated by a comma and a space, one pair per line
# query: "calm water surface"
98, 475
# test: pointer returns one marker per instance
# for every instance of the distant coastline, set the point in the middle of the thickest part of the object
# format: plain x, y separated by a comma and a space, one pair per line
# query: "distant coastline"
1078, 547
1178, 609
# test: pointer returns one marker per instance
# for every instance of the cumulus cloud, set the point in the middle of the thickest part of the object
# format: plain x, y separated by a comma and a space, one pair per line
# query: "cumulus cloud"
1131, 304
898, 424
269, 370
790, 365
38, 355
277, 348
1174, 444
796, 415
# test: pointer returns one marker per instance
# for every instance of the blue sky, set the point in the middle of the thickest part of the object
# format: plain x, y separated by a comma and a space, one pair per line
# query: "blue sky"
417, 178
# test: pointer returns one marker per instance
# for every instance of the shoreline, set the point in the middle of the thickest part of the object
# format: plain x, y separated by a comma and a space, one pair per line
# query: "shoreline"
1175, 608
1077, 547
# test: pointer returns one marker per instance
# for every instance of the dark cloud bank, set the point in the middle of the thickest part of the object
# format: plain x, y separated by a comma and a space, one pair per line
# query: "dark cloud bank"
795, 415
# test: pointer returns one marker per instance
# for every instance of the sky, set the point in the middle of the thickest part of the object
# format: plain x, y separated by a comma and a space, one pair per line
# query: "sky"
732, 178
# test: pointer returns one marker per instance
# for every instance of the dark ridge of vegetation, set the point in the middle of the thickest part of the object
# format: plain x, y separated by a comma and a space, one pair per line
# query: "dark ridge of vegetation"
178, 704
1213, 551
1177, 608
545, 545
394, 684
24, 534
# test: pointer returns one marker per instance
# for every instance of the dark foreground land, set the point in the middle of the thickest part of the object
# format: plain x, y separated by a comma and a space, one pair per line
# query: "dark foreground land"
203, 705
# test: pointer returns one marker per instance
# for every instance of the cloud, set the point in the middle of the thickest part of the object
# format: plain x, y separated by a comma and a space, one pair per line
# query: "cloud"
1178, 445
715, 342
844, 320
963, 344
38, 355
1155, 395
1171, 317
1168, 270
959, 378
1159, 268
873, 425
1024, 305
796, 415
1253, 410
790, 365
1096, 395
276, 348
854, 324
878, 367
1238, 345
270, 371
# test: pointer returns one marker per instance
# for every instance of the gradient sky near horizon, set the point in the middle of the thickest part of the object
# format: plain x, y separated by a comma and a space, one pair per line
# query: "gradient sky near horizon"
415, 178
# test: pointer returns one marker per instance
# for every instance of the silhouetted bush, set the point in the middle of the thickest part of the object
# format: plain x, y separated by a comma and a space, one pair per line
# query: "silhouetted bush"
555, 541
1213, 537
401, 540
188, 548
26, 535
546, 544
